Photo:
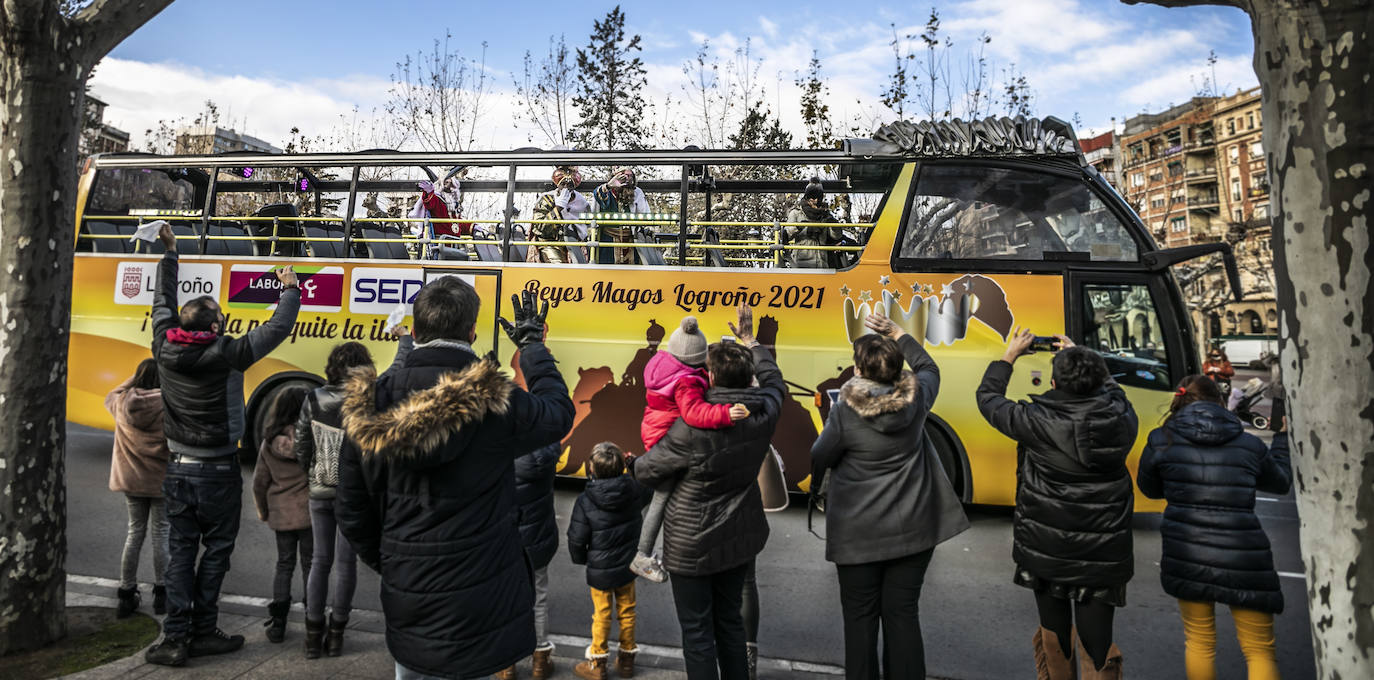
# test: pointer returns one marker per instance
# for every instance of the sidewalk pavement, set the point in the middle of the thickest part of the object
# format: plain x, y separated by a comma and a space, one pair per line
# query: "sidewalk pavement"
365, 654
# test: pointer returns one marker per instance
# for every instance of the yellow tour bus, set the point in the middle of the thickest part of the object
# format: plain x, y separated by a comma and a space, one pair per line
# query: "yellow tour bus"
959, 231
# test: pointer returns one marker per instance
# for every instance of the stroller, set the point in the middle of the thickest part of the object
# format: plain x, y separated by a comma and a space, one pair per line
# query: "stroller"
1244, 400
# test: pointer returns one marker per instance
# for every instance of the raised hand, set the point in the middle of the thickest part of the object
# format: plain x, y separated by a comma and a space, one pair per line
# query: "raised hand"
1018, 344
528, 328
745, 330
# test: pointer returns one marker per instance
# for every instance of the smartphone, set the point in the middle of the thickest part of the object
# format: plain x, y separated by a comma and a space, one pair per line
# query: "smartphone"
727, 338
1044, 343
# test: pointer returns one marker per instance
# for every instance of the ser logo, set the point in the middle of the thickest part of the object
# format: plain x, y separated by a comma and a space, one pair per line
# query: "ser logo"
377, 290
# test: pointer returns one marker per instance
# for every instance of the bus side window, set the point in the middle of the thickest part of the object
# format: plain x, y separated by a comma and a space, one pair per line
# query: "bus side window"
1120, 321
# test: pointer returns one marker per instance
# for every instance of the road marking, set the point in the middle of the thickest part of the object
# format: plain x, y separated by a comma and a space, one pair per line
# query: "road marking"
1268, 500
1292, 574
573, 641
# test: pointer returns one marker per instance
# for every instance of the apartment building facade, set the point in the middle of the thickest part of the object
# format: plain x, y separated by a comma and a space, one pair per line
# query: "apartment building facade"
1196, 173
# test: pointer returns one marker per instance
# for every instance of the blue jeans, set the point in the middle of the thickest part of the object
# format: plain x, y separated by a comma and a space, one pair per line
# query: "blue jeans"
708, 609
203, 504
403, 673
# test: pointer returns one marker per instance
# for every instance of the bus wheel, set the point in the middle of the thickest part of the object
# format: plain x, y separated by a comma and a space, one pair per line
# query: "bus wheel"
256, 413
951, 456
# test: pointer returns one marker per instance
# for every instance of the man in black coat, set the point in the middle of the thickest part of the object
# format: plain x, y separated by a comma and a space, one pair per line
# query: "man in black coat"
201, 370
713, 525
427, 490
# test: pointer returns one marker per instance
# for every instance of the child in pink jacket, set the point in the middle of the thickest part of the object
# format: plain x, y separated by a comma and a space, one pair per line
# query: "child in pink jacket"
675, 382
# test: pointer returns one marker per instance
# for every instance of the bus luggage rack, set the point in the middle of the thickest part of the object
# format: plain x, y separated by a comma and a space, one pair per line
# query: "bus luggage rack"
382, 238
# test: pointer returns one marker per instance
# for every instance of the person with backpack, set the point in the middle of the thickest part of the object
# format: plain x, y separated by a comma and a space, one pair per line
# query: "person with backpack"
1214, 548
319, 436
1071, 532
889, 501
282, 496
602, 535
137, 466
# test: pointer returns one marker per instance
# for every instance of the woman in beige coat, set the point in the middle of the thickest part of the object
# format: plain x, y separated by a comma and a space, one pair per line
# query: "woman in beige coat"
137, 466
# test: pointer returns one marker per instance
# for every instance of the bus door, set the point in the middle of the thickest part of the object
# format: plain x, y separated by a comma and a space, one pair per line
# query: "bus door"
1123, 316
487, 282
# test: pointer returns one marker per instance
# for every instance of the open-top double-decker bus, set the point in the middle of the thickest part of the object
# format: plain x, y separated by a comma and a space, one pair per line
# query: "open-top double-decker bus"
958, 231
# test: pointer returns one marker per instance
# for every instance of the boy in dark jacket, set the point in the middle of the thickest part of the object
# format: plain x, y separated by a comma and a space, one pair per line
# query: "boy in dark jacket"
1071, 532
201, 370
534, 475
603, 534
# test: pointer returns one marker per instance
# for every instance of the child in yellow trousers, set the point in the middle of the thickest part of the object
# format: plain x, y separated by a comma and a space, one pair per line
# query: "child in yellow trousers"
1214, 549
603, 534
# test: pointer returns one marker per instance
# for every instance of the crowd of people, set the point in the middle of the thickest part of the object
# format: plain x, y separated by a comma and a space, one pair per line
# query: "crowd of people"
438, 475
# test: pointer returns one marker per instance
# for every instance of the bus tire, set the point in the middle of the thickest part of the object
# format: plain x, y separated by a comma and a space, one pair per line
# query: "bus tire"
953, 458
256, 409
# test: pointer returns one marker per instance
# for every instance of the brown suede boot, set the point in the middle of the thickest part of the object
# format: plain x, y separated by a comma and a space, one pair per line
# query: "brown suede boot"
543, 664
591, 669
1110, 670
625, 663
1050, 662
507, 673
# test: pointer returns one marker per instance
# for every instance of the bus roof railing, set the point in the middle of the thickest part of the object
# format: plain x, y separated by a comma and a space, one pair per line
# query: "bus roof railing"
1018, 137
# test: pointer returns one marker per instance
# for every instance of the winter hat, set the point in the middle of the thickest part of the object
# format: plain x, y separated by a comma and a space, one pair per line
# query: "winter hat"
814, 189
687, 343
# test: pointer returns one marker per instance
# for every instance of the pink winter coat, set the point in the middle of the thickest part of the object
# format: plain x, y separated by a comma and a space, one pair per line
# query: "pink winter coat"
280, 487
139, 461
672, 390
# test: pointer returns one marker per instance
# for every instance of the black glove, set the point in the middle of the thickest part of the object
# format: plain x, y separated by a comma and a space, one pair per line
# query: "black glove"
529, 324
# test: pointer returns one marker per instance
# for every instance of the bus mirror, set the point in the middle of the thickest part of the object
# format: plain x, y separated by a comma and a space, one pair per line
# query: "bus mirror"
1160, 260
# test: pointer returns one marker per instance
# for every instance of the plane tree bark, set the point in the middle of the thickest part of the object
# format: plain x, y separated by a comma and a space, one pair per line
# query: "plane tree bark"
1314, 61
47, 50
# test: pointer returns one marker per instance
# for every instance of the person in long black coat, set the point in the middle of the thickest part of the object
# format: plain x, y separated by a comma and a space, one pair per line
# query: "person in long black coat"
889, 502
427, 489
1071, 531
1214, 548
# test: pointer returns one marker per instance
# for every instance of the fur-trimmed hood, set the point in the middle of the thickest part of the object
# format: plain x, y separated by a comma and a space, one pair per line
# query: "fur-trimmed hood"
888, 407
422, 422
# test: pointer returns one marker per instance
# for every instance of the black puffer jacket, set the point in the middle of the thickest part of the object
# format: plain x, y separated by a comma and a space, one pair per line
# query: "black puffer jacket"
427, 498
1208, 468
202, 374
714, 518
1072, 524
534, 473
888, 495
604, 530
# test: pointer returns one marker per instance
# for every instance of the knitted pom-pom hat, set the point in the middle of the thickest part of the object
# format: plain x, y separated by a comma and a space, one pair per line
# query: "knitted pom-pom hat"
688, 343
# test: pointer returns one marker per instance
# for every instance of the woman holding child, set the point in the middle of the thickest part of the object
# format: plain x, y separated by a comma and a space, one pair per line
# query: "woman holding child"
889, 502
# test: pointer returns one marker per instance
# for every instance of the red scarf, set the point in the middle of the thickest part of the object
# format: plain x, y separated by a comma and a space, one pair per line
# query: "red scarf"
185, 337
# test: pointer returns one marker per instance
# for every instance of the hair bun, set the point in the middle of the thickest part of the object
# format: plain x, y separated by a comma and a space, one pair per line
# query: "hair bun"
689, 324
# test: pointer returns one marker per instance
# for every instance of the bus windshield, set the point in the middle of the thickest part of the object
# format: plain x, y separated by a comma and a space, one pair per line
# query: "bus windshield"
980, 212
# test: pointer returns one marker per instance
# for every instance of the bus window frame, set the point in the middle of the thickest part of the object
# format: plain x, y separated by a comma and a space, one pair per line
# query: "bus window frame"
1177, 341
1130, 223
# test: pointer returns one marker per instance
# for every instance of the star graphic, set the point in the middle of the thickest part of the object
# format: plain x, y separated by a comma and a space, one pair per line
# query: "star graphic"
865, 296
844, 290
927, 289
883, 280
946, 290
916, 288
896, 296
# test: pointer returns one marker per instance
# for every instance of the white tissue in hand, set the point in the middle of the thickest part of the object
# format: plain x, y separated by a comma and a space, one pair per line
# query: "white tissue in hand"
148, 231
396, 316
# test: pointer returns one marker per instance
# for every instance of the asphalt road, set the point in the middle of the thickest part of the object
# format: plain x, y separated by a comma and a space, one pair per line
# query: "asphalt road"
977, 625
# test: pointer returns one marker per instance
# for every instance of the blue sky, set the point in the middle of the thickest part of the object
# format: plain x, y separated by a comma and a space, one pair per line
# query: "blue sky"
272, 65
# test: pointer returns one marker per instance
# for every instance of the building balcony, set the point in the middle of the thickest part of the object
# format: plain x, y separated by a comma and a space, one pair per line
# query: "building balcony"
1205, 145
1202, 176
1258, 191
1203, 201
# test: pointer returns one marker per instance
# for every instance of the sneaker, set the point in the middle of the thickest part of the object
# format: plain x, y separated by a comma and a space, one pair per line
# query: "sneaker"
649, 567
128, 602
215, 643
172, 651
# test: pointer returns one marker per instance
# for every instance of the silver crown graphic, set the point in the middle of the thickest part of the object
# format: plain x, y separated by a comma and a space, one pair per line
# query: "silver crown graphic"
931, 319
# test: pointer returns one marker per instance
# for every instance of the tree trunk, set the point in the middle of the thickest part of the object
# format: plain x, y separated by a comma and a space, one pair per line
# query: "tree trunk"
1314, 62
42, 95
